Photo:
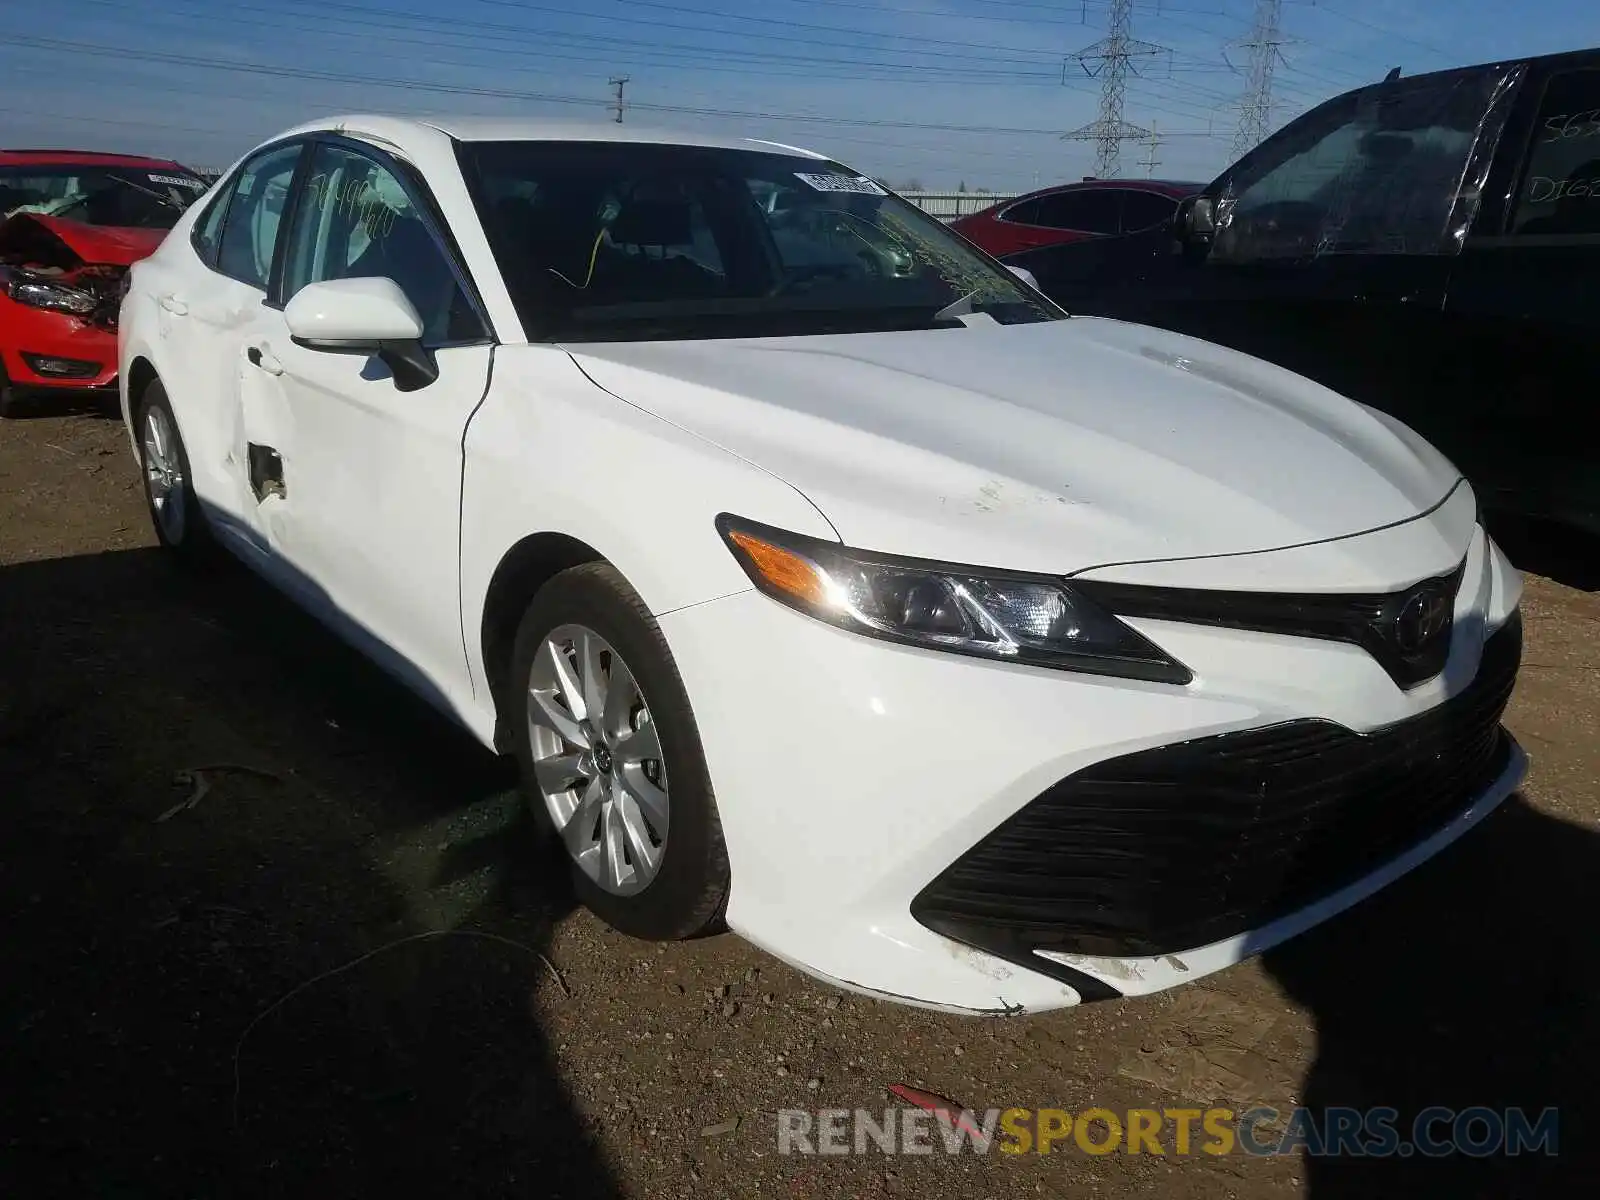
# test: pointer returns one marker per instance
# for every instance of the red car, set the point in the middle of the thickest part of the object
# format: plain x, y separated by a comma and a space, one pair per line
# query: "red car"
71, 223
1073, 211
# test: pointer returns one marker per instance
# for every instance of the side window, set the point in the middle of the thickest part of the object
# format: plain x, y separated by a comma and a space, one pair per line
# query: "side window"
1145, 210
357, 221
1377, 171
1092, 211
1560, 189
250, 228
1025, 213
208, 229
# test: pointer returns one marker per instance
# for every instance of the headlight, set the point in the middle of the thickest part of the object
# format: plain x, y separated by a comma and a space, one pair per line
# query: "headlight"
965, 610
52, 296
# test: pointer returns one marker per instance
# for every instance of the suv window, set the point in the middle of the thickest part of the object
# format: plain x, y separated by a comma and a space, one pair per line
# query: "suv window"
1560, 190
1376, 171
1094, 211
356, 220
255, 209
1145, 210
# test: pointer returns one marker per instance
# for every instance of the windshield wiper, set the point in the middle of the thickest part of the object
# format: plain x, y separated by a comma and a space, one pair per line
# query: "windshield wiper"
158, 197
956, 308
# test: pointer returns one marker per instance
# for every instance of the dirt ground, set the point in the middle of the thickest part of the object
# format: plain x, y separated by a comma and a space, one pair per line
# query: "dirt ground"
343, 969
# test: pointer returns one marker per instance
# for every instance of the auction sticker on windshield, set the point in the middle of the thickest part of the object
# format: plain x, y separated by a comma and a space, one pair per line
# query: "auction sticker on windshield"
858, 184
176, 181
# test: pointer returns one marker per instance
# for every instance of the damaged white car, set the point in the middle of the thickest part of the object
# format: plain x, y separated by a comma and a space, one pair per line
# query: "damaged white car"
954, 649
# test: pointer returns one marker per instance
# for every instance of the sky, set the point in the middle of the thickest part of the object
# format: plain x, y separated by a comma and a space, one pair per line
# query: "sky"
936, 93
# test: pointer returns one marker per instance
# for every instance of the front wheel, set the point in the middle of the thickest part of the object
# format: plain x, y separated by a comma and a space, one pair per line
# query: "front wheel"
175, 513
8, 395
611, 759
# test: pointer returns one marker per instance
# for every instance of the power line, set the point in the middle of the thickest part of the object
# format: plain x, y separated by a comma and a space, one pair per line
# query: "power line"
905, 73
686, 10
1376, 28
1112, 57
444, 89
935, 77
984, 66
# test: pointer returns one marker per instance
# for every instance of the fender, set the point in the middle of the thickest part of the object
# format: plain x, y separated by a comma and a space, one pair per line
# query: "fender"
650, 511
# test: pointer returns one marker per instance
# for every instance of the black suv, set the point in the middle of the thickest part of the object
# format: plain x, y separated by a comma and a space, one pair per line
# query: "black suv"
1427, 245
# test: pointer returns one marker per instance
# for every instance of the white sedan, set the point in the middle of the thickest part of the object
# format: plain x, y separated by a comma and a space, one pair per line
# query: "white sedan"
954, 649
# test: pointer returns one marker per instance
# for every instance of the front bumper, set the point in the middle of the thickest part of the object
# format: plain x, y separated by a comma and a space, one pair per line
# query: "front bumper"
852, 775
32, 336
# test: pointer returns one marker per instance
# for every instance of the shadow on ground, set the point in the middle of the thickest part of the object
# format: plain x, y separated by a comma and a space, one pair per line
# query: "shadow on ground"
73, 402
1471, 982
155, 1038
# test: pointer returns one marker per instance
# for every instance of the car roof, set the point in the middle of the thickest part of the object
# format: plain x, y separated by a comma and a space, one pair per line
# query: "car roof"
401, 130
521, 129
82, 158
1167, 187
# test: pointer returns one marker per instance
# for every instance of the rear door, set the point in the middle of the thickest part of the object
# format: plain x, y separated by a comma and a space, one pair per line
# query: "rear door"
206, 304
1524, 305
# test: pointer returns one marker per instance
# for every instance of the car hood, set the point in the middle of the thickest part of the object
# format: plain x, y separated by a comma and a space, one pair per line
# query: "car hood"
111, 246
1054, 446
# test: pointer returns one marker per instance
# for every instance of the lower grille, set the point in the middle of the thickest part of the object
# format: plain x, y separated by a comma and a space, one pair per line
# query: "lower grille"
1183, 845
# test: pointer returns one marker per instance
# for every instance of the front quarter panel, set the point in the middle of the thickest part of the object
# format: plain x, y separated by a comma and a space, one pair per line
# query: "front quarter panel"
550, 451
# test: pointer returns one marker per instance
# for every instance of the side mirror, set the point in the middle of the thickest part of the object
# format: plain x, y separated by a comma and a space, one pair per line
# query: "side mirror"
1196, 219
363, 316
1025, 275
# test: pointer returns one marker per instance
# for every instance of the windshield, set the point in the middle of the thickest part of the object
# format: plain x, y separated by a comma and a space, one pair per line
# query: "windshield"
606, 241
124, 197
1381, 170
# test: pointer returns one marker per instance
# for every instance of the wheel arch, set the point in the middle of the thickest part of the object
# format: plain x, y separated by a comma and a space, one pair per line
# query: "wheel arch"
524, 568
141, 374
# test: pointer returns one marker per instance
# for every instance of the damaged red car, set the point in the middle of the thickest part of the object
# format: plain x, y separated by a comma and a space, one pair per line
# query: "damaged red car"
73, 223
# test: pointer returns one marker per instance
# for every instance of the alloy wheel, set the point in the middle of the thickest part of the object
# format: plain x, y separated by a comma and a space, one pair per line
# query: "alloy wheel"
597, 759
163, 474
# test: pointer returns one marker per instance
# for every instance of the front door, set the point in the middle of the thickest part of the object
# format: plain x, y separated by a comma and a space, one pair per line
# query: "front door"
356, 484
1525, 306
1336, 238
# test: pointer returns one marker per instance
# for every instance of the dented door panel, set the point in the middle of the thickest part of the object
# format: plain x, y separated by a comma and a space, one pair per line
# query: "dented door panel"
356, 491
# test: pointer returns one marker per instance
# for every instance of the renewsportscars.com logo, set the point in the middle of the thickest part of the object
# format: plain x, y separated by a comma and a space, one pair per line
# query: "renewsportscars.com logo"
1375, 1132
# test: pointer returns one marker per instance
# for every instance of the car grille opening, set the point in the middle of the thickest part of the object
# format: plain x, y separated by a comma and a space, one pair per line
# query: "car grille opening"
1183, 845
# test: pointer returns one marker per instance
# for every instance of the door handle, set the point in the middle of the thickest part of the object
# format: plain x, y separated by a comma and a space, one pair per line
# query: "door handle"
174, 306
261, 357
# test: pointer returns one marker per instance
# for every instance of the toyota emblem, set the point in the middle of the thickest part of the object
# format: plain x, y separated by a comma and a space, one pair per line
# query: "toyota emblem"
1423, 617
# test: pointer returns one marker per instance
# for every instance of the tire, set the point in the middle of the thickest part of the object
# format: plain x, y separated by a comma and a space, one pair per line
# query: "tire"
8, 395
175, 512
683, 893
